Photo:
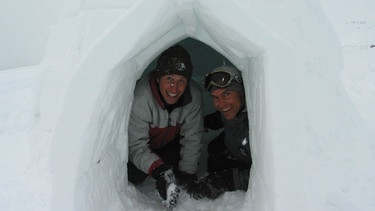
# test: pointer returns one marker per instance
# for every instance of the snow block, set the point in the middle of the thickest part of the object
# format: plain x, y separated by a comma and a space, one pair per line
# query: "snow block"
304, 130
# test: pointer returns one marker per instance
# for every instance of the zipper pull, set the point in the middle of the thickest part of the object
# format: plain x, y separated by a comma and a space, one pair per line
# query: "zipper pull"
242, 147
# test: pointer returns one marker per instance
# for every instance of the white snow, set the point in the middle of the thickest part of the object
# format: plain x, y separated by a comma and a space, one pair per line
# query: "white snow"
63, 120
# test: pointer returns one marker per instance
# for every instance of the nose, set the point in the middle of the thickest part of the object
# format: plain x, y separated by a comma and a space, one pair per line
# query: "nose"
173, 86
217, 103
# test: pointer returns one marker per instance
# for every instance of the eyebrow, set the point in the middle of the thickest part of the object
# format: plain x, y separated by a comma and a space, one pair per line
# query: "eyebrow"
226, 90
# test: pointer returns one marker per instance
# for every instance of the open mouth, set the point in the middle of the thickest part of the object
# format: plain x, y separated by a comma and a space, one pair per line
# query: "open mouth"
226, 109
171, 95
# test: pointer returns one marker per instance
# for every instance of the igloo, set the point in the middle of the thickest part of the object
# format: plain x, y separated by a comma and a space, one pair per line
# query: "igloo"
302, 123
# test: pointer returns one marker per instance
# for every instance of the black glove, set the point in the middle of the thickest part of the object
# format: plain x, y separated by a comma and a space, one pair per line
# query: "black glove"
213, 185
166, 185
187, 181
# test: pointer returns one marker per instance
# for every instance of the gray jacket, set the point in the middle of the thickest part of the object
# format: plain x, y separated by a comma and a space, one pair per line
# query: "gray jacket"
151, 126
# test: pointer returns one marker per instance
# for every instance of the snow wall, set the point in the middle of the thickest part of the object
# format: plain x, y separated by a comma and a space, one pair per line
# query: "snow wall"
304, 129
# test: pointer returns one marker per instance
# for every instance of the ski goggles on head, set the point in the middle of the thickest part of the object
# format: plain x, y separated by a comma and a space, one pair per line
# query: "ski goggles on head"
221, 79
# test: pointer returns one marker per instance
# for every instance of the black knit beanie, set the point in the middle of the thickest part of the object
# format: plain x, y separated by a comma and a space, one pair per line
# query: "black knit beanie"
174, 60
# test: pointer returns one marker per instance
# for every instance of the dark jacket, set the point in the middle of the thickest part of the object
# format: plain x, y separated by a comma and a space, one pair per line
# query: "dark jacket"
236, 131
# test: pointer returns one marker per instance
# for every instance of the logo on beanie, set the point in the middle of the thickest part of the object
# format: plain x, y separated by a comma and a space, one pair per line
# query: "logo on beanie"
180, 66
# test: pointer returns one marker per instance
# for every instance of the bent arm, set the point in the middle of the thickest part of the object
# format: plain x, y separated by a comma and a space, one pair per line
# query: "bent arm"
138, 132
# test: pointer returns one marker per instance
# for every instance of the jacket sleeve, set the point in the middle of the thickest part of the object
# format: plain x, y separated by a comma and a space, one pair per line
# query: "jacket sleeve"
191, 132
138, 132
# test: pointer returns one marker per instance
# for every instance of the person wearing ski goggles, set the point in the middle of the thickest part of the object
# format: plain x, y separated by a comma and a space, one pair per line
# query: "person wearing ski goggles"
227, 91
229, 158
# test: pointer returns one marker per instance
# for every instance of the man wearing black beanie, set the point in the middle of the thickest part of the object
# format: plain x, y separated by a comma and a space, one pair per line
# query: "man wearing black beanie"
166, 126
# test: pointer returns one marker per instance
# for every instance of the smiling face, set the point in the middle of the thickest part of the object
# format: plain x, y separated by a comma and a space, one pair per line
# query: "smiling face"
172, 87
227, 102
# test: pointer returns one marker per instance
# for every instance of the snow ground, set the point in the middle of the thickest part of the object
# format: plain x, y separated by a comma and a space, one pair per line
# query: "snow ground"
21, 184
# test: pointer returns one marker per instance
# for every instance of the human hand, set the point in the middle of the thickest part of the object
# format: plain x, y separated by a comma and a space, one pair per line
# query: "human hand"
214, 185
168, 191
187, 181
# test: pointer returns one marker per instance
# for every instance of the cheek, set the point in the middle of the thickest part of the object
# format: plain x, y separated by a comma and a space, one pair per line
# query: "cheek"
238, 103
181, 89
161, 85
216, 104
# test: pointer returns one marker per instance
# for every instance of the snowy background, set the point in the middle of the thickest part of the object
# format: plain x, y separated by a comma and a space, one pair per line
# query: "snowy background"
23, 182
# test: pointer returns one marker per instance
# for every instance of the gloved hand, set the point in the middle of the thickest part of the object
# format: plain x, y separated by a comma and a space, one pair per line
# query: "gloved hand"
187, 181
166, 185
213, 185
